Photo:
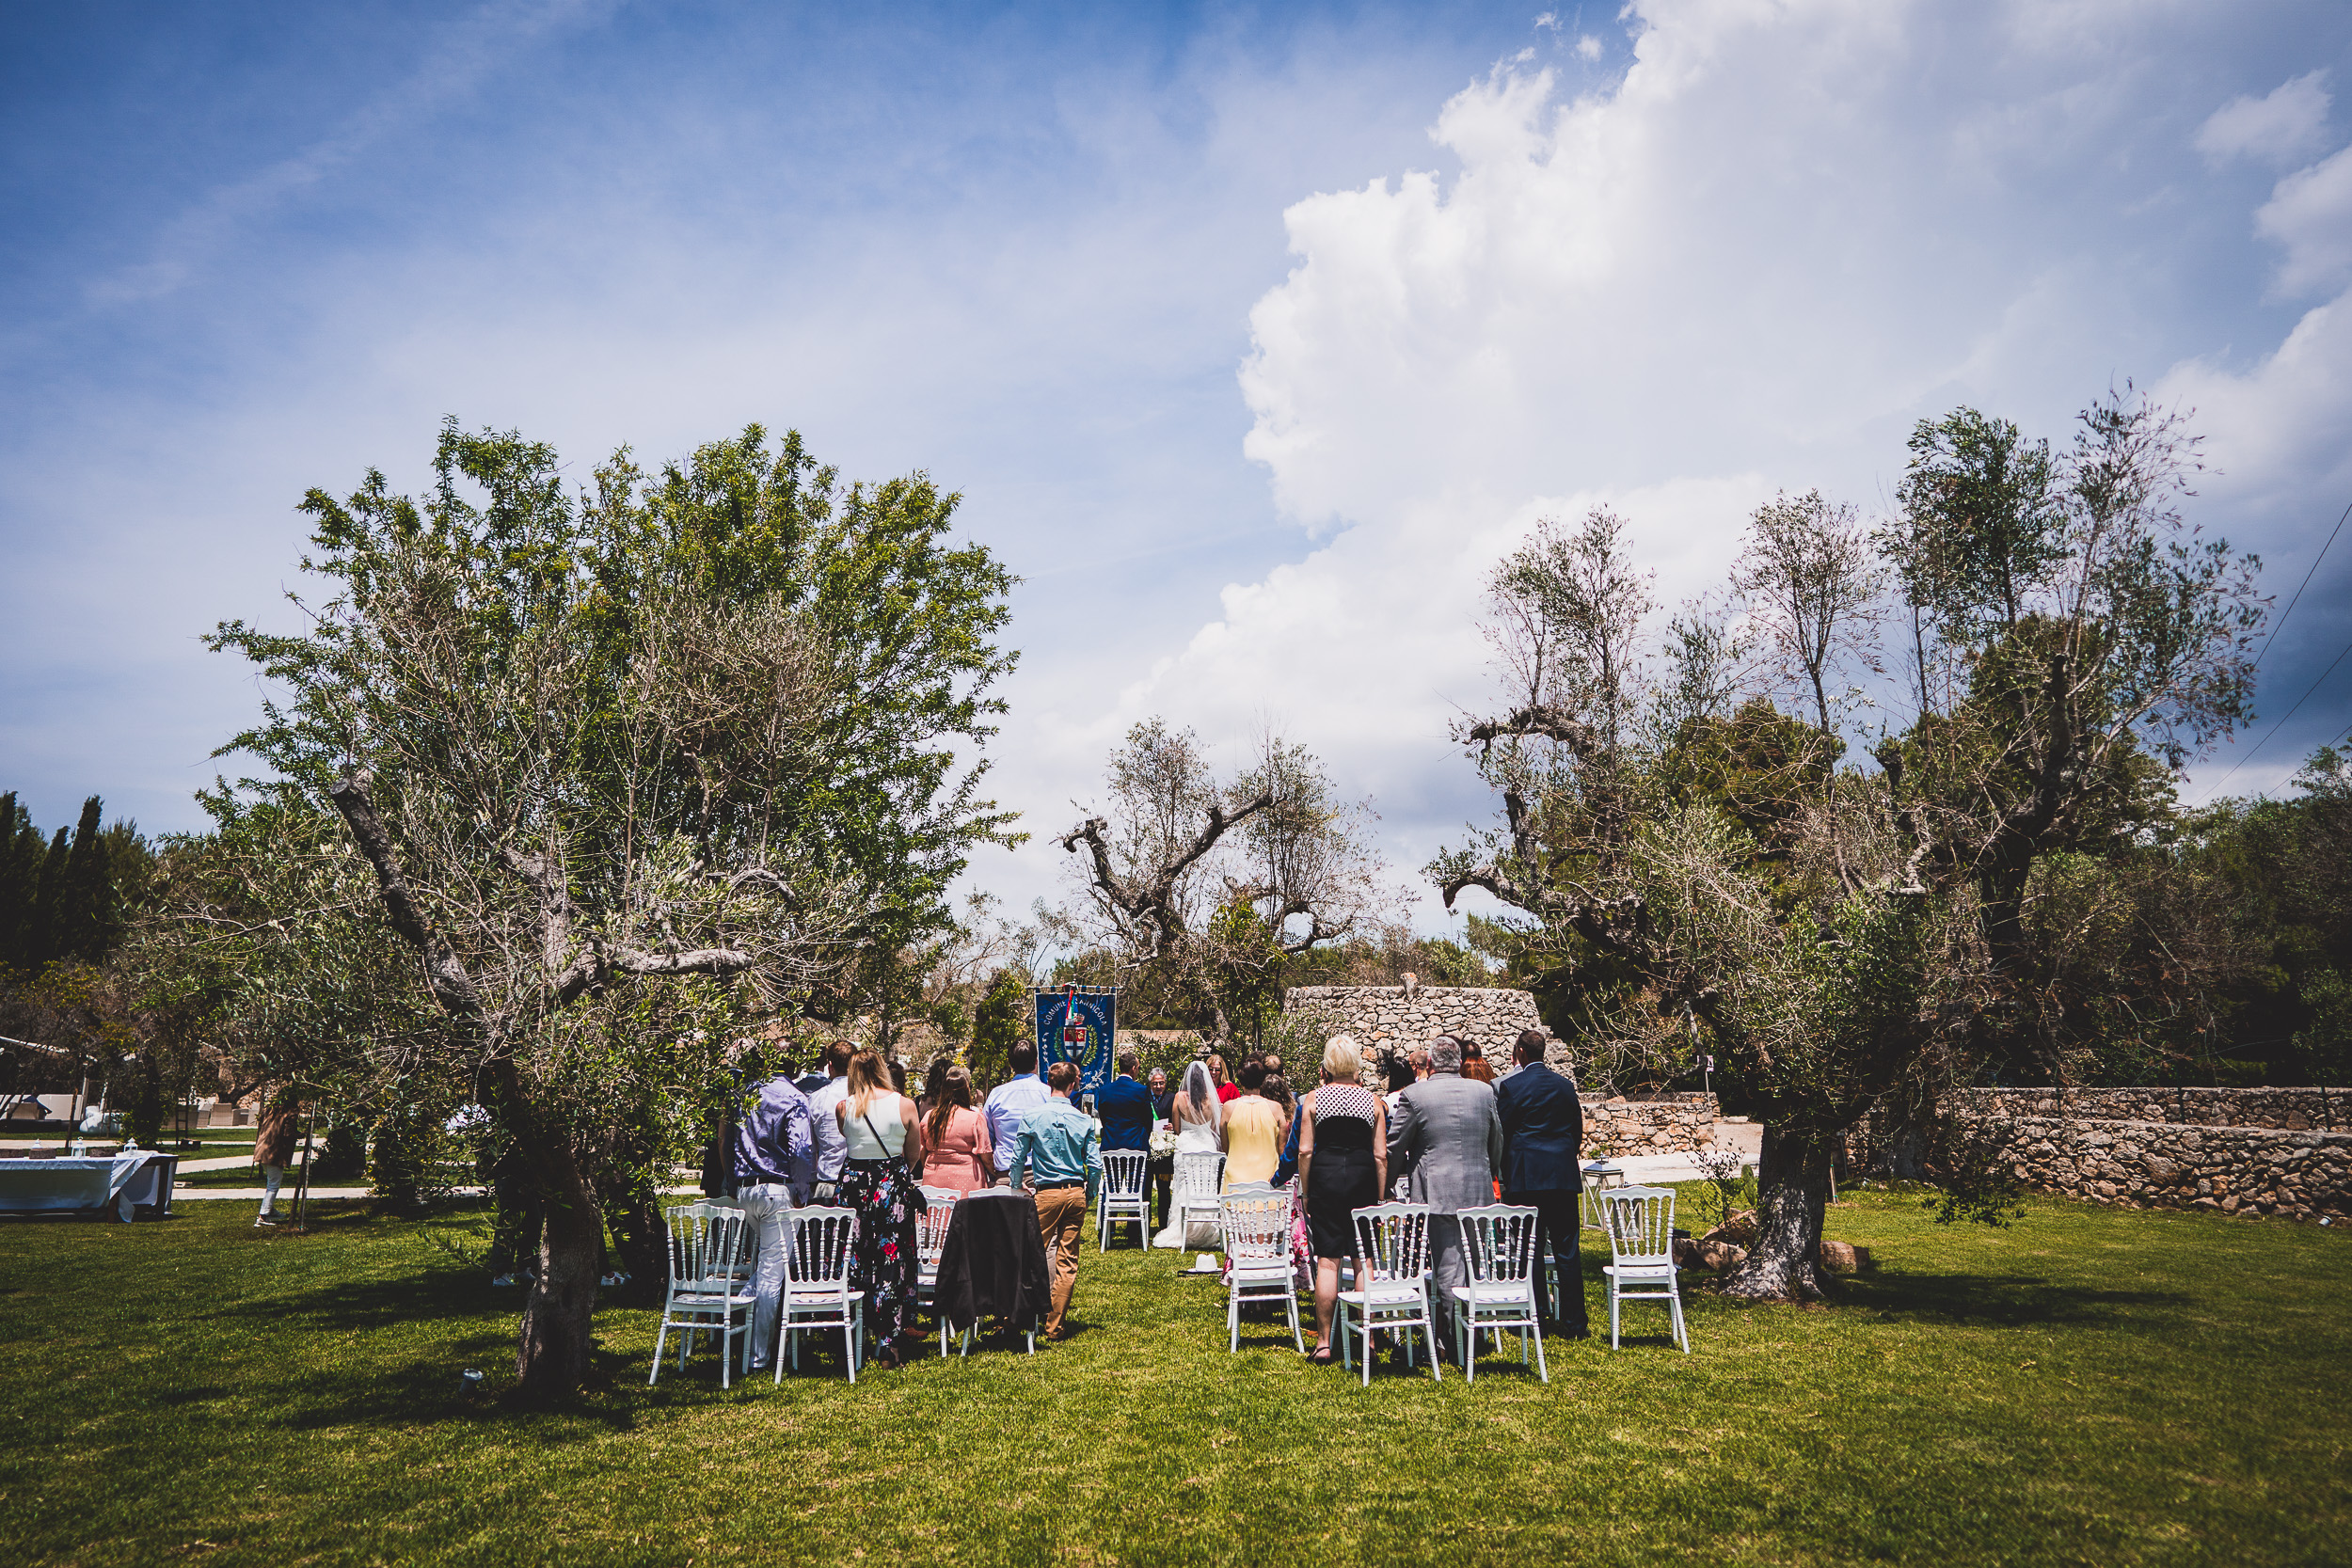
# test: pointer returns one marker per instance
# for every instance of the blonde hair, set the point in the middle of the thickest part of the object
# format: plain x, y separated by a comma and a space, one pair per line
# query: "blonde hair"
1342, 1061
869, 1075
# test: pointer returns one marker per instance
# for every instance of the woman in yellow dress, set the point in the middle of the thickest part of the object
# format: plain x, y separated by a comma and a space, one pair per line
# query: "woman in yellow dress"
1253, 1131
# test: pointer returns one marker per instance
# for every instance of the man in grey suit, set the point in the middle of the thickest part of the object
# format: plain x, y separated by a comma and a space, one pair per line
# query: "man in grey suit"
1446, 1136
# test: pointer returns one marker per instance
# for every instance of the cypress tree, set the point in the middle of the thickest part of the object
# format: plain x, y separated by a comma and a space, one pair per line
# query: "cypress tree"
40, 938
17, 842
85, 912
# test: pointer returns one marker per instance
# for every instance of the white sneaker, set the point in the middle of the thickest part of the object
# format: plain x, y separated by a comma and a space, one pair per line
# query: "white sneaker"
261, 1220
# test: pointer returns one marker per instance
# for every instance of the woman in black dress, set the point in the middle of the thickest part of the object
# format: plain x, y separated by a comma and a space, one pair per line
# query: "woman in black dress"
1342, 1166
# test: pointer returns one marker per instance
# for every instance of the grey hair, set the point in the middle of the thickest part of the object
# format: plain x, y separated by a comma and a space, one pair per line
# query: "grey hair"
1445, 1054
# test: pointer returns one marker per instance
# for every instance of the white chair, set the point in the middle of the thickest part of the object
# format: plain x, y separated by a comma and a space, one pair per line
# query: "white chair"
930, 1239
711, 1281
1196, 1197
1641, 1226
1257, 1230
1391, 1282
816, 1293
1121, 1198
1499, 1249
1599, 1177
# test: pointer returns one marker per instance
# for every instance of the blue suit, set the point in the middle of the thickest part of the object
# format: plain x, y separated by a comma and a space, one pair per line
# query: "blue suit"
1543, 1131
1543, 1154
1125, 1107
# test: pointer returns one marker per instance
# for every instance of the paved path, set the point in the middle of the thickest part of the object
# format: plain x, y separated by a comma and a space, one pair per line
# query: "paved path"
1745, 1136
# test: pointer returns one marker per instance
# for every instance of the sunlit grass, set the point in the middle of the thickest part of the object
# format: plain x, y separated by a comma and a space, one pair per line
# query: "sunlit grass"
2089, 1385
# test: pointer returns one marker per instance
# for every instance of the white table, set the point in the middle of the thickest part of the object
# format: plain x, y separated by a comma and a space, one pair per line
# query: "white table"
121, 1181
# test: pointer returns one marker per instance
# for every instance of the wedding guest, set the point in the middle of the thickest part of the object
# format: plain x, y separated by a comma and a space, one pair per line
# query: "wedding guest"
1448, 1140
1253, 1131
775, 1167
1342, 1166
1054, 1151
1013, 1099
957, 1155
1543, 1142
1475, 1063
933, 1077
1161, 1172
1227, 1090
824, 1102
274, 1149
1124, 1106
884, 1143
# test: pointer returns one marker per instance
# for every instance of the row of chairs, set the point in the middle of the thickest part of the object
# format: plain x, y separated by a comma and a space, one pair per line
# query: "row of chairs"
1388, 1287
712, 1258
714, 1252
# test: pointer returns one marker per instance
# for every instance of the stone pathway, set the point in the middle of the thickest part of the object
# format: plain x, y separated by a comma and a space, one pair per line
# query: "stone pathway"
1745, 1136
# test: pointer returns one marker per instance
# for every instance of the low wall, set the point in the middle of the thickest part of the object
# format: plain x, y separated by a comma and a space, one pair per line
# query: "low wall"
1677, 1126
2295, 1110
2231, 1171
1384, 1019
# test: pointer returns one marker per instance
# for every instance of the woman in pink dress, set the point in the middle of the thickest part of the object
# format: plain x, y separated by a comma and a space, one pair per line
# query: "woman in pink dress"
960, 1156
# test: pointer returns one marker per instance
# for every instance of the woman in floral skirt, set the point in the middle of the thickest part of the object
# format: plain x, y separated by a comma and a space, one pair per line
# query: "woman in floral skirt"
886, 1157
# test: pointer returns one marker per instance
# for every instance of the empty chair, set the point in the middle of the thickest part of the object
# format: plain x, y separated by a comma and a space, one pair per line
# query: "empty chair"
1641, 1226
1599, 1177
1198, 1177
710, 1282
816, 1293
1391, 1286
930, 1239
1499, 1247
1121, 1198
1257, 1230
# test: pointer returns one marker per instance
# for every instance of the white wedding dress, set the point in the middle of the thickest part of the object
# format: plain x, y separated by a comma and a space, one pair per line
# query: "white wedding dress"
1192, 1138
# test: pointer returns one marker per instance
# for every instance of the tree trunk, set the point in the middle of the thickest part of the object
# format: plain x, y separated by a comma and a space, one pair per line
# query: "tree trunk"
552, 1348
552, 1351
1793, 1183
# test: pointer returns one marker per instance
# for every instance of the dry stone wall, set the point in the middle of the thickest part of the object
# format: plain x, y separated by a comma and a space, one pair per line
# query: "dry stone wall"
2295, 1110
2227, 1169
1384, 1019
1678, 1126
2285, 1151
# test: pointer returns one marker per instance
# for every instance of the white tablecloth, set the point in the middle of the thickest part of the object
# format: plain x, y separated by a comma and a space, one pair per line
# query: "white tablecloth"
78, 1182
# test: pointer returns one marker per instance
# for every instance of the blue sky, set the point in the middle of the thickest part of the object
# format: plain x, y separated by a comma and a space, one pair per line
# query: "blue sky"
1265, 330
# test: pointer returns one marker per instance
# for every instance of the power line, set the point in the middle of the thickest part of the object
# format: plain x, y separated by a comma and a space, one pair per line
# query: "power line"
2283, 718
2282, 621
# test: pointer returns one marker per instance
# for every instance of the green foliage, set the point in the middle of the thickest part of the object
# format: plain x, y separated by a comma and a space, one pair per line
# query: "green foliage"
1002, 1022
1974, 1182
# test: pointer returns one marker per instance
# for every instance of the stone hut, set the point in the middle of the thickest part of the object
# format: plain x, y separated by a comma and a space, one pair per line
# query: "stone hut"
1387, 1019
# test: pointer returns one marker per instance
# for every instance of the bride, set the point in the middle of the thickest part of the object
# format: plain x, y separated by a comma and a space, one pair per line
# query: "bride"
1200, 1123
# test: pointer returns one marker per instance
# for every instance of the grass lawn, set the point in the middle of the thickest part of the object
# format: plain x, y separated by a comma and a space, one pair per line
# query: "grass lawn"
2090, 1386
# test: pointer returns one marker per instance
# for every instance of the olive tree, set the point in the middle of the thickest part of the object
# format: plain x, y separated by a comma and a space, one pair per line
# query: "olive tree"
618, 766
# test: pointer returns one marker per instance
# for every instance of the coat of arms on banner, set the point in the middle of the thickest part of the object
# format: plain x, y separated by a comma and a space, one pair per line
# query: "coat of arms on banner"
1077, 1024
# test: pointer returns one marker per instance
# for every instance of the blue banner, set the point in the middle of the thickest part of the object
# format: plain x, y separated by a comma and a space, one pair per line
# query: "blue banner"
1078, 1024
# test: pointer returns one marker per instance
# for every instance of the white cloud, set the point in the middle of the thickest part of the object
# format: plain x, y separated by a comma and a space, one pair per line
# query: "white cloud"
2310, 214
2290, 122
1790, 232
1587, 47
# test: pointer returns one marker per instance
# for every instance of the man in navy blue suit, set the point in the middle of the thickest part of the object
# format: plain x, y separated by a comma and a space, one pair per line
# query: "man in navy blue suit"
1125, 1106
1543, 1151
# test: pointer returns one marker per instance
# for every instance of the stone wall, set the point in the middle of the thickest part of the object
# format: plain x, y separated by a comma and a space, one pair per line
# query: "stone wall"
1675, 1125
2296, 1110
2231, 1171
1384, 1019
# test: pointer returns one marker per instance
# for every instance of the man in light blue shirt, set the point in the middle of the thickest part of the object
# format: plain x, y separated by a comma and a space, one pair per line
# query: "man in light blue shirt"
831, 1147
1059, 1149
1008, 1102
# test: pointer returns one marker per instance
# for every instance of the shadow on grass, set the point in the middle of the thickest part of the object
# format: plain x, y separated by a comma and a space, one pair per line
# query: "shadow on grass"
2010, 1301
